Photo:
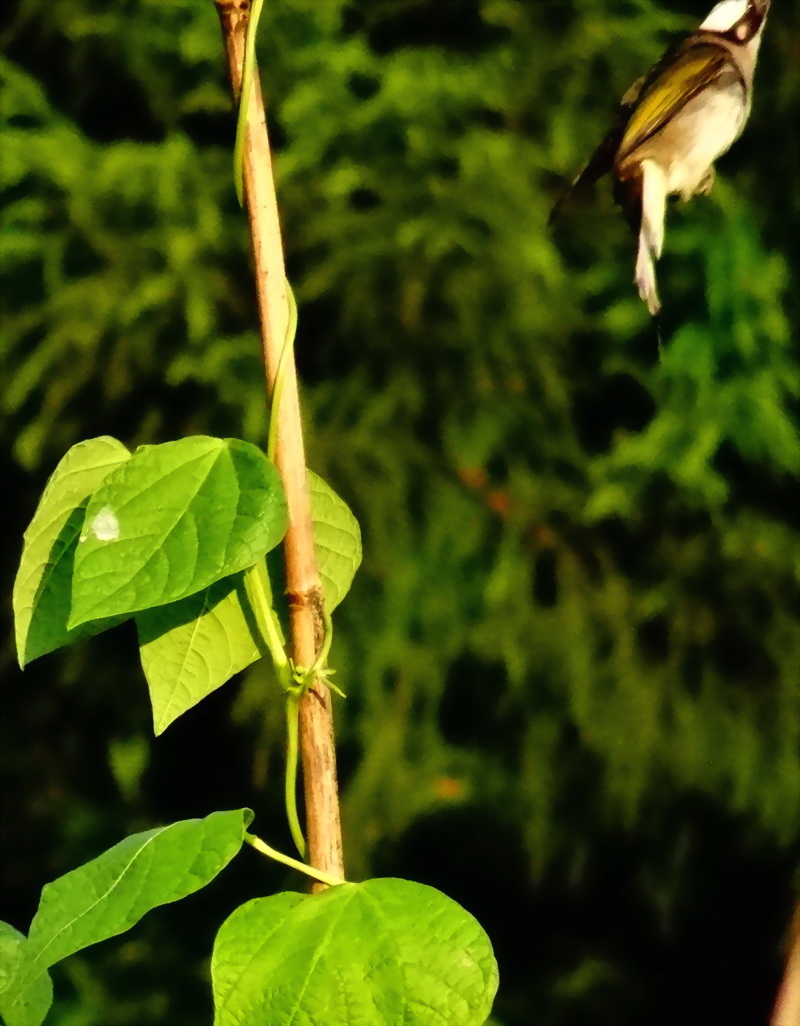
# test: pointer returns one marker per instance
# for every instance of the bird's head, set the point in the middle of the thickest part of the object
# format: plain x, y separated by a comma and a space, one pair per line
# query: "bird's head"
740, 21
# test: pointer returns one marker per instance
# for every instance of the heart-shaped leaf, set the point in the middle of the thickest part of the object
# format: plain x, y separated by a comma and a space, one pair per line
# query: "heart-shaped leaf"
43, 587
383, 951
172, 520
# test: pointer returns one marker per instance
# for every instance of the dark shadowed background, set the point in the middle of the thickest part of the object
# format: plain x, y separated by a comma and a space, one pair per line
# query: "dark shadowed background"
572, 653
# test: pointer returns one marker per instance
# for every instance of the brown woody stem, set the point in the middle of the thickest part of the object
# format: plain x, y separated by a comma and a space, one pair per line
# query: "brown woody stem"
787, 1006
317, 751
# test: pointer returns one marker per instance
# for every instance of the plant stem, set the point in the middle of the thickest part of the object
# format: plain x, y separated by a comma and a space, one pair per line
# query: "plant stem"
303, 588
287, 860
787, 1006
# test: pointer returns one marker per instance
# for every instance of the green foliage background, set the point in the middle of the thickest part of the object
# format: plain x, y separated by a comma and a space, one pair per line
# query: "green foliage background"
571, 655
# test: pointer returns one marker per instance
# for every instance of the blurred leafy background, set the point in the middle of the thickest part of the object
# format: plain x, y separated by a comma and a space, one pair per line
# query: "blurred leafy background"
572, 652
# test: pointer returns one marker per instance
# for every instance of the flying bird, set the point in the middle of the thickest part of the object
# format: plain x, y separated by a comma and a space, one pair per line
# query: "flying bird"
675, 122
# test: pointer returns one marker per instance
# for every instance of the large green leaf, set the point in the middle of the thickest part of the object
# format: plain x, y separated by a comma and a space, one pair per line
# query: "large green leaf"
337, 541
379, 952
29, 1006
190, 648
173, 520
108, 895
43, 587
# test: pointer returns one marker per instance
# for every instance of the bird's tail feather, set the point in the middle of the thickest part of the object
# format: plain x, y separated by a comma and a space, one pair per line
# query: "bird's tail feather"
651, 233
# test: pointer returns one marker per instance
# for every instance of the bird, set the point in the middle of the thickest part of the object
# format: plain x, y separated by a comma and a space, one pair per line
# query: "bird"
674, 123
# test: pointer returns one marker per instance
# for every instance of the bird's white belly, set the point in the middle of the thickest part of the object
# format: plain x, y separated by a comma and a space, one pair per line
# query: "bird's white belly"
705, 129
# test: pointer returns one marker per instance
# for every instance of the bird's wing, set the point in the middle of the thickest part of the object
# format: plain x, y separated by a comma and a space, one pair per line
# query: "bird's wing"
676, 79
602, 160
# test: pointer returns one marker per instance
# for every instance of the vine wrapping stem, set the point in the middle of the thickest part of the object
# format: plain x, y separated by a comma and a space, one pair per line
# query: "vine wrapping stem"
318, 757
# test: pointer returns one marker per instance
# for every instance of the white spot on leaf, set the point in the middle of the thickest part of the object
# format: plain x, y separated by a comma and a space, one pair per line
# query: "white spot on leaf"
104, 526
